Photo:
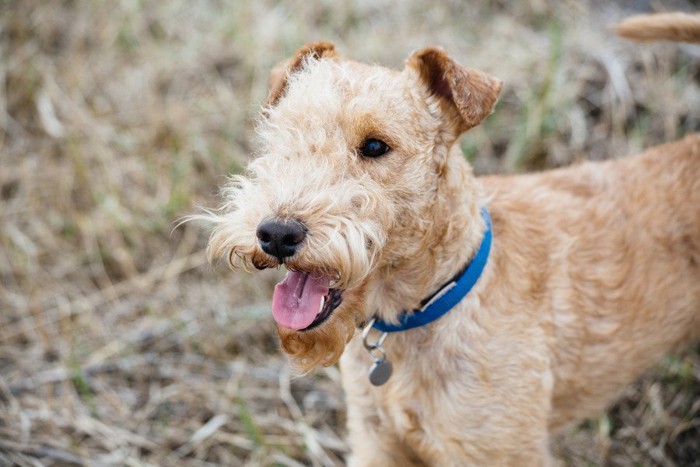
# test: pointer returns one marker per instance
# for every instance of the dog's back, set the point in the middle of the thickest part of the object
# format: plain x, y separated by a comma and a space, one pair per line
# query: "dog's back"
639, 252
627, 233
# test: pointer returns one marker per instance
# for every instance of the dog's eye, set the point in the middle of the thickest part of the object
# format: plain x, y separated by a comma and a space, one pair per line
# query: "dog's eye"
374, 148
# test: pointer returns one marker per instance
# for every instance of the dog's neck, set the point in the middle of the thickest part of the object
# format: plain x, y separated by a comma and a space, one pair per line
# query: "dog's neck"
456, 221
447, 296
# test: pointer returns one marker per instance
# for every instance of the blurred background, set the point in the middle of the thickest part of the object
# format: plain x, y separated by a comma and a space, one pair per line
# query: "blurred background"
120, 345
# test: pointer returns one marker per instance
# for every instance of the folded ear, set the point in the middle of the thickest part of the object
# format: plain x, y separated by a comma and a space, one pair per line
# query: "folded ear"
467, 95
279, 74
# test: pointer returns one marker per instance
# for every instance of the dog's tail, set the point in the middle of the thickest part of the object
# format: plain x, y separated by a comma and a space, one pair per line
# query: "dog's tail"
677, 27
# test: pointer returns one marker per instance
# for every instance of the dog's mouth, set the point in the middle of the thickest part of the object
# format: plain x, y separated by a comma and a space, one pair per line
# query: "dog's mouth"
304, 300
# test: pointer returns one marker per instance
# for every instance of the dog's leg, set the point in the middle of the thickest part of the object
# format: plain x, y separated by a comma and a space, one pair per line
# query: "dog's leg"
374, 443
372, 438
371, 435
371, 449
505, 426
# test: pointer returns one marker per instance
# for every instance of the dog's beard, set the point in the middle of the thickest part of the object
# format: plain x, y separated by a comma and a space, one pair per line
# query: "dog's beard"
342, 248
318, 335
347, 222
324, 344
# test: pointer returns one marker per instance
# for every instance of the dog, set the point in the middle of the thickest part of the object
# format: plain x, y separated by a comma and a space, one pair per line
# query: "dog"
473, 317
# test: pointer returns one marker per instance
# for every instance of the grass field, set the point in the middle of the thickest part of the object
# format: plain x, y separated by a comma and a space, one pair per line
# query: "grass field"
119, 345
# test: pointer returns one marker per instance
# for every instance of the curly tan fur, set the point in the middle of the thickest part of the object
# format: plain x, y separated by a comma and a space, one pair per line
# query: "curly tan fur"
594, 271
679, 27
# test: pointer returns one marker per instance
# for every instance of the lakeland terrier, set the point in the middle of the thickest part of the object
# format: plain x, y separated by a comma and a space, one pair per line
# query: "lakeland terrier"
532, 300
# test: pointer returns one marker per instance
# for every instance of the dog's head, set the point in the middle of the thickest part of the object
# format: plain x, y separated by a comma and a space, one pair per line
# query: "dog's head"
350, 189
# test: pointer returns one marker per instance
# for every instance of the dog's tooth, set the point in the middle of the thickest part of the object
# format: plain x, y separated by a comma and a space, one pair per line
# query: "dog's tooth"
323, 302
335, 281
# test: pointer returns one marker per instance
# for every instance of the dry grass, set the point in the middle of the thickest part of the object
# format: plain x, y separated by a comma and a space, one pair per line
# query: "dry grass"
119, 346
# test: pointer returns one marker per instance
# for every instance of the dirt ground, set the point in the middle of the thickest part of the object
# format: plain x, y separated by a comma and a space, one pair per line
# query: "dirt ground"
120, 345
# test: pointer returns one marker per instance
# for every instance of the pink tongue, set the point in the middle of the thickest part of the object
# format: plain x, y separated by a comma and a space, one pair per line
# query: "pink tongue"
297, 299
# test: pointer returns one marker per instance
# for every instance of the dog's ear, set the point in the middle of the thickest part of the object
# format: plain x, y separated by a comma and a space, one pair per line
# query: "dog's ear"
468, 95
279, 74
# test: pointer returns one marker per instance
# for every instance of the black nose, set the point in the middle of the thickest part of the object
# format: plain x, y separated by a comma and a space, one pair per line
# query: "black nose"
279, 238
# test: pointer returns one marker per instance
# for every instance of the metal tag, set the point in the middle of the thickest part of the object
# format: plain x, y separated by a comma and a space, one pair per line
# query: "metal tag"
380, 372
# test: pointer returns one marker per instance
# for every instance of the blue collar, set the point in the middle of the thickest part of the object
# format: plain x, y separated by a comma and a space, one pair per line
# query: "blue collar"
450, 294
